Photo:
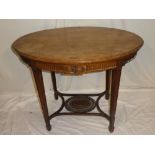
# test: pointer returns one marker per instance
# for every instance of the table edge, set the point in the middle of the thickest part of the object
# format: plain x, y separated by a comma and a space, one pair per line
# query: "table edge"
78, 69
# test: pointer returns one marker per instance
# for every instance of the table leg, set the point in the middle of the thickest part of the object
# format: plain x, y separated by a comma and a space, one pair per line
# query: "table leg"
108, 79
41, 92
115, 81
54, 85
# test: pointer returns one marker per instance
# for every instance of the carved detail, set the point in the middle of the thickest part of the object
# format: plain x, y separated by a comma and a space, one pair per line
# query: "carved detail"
78, 69
74, 69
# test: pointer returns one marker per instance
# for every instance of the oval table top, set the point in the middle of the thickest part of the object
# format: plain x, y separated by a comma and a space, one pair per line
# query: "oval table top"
78, 46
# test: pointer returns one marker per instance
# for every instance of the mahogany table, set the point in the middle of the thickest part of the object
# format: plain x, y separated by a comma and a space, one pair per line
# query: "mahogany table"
76, 51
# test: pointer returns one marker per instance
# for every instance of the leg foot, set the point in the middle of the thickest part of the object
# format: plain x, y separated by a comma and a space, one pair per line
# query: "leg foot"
111, 128
48, 127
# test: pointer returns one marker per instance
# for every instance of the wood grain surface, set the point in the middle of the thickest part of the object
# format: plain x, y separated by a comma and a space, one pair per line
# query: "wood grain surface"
78, 46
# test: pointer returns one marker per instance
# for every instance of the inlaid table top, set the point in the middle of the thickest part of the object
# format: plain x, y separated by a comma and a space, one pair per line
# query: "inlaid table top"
78, 50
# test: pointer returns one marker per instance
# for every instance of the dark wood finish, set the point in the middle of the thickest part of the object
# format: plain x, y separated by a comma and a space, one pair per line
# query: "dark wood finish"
115, 81
41, 92
80, 104
75, 109
54, 85
75, 51
108, 82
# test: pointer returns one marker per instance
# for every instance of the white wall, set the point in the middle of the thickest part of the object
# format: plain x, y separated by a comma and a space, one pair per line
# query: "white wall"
15, 77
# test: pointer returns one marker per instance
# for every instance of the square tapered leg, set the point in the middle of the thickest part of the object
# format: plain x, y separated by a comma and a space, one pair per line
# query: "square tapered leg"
41, 93
115, 81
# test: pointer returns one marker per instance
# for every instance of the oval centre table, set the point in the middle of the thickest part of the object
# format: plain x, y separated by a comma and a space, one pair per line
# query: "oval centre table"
77, 51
